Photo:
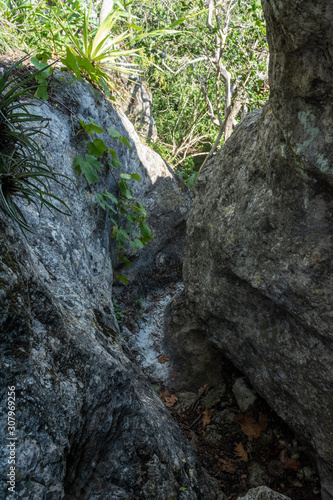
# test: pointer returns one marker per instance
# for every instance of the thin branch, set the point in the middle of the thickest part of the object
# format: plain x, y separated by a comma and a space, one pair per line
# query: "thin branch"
208, 102
175, 73
210, 14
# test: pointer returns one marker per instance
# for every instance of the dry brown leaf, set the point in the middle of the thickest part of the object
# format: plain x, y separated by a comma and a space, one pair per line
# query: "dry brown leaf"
165, 394
164, 359
292, 464
171, 401
250, 427
227, 466
168, 398
287, 462
203, 390
283, 456
207, 415
240, 452
263, 422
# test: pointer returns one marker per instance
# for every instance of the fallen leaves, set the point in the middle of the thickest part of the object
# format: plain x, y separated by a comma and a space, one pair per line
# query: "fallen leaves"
263, 422
164, 359
288, 462
227, 466
250, 427
240, 452
207, 415
168, 398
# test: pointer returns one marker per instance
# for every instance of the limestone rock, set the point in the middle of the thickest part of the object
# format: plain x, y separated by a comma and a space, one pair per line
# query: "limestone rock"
89, 426
258, 263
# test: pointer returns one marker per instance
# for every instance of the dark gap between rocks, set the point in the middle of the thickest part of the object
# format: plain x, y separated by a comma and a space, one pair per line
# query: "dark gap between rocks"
241, 449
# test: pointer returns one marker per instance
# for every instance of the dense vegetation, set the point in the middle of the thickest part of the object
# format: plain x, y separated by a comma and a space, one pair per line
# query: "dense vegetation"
205, 62
214, 71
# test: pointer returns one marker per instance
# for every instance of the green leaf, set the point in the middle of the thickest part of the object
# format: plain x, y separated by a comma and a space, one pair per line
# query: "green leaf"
136, 243
125, 191
136, 177
96, 148
91, 127
134, 26
41, 66
41, 92
70, 61
131, 219
105, 87
122, 278
115, 162
110, 196
145, 231
121, 233
102, 200
125, 141
127, 177
85, 64
124, 259
87, 166
115, 135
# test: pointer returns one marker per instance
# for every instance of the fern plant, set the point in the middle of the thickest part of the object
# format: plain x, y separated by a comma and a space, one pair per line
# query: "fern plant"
24, 172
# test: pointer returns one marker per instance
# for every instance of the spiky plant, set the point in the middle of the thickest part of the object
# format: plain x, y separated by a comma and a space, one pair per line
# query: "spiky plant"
24, 172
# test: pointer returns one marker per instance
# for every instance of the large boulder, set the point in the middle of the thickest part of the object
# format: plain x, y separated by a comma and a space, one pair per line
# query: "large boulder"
88, 424
258, 263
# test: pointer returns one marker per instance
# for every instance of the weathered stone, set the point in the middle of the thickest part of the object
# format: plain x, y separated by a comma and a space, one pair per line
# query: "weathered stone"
245, 397
197, 362
89, 426
258, 475
263, 493
185, 401
214, 396
306, 474
138, 107
258, 264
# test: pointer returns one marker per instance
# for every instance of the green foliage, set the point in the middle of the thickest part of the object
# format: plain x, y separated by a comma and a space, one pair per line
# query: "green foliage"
103, 52
44, 70
97, 54
36, 25
8, 39
127, 214
118, 312
24, 173
179, 107
67, 29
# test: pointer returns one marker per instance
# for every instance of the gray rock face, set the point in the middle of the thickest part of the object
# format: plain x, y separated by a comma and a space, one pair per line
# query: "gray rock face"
263, 493
138, 107
258, 264
300, 79
88, 425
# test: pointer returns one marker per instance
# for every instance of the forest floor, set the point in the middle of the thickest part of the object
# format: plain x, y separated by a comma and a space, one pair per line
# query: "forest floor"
241, 449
